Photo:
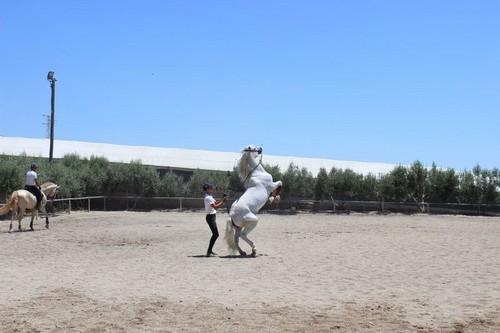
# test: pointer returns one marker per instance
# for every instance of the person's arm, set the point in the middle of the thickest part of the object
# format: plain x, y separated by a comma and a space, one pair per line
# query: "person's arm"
218, 203
37, 183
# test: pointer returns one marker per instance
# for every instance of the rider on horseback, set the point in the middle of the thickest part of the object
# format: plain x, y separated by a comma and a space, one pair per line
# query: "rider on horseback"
32, 184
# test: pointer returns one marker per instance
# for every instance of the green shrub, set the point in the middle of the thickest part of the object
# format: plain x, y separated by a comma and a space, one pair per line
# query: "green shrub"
97, 176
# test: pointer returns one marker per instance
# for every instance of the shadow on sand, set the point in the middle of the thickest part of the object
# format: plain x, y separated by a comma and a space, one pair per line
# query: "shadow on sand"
226, 257
238, 257
16, 231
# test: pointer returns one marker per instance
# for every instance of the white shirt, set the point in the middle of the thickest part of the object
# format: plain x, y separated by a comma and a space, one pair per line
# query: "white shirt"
209, 200
31, 176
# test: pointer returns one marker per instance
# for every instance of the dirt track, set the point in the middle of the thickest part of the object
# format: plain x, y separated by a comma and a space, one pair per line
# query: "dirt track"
142, 272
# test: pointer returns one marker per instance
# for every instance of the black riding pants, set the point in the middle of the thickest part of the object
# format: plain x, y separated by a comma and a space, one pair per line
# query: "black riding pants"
36, 192
211, 220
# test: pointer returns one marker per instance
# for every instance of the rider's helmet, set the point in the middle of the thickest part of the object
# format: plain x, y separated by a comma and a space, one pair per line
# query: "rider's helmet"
34, 166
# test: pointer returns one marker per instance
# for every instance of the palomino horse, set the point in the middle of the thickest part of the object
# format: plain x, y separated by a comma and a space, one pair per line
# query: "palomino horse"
21, 200
260, 188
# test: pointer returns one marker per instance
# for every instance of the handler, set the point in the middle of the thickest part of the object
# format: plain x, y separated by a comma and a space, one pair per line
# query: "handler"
210, 209
32, 184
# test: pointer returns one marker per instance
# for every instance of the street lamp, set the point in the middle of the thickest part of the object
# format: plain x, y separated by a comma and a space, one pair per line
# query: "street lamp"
51, 78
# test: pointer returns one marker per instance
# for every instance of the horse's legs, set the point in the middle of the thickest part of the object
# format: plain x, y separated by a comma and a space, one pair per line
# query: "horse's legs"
44, 211
249, 218
244, 235
20, 216
249, 223
12, 216
277, 187
32, 218
276, 191
237, 234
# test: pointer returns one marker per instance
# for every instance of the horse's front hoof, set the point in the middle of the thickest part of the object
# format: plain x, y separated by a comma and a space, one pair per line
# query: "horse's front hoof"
46, 226
254, 252
32, 229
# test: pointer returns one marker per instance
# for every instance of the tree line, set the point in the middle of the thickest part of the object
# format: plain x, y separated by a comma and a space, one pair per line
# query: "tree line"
415, 183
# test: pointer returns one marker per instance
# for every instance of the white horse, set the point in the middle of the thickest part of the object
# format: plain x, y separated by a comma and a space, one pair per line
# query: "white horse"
260, 188
21, 200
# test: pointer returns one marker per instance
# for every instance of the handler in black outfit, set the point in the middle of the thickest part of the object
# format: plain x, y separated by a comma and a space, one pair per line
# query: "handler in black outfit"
211, 206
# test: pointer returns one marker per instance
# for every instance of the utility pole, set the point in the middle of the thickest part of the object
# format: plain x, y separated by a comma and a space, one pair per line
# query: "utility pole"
46, 125
51, 78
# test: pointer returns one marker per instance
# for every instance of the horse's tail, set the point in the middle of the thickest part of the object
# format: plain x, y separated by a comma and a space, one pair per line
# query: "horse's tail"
12, 203
229, 237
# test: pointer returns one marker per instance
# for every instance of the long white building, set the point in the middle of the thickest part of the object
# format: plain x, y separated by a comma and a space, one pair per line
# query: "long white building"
174, 158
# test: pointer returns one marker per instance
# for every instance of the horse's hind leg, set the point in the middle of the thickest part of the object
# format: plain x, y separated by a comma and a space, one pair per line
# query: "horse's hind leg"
31, 223
244, 235
250, 221
12, 216
44, 211
237, 235
20, 216
250, 218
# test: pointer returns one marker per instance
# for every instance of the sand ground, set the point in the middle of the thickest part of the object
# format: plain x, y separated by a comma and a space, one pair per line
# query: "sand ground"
143, 272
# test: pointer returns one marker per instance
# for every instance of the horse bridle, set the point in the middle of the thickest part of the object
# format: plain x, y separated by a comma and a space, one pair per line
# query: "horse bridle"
253, 150
52, 197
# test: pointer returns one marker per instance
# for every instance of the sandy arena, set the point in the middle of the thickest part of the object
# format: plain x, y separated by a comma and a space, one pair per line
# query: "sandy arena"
143, 272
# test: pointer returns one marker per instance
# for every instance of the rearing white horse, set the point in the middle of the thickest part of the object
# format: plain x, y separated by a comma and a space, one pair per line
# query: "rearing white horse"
260, 188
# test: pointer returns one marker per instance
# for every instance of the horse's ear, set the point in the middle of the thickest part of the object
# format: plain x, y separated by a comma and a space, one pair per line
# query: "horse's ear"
247, 148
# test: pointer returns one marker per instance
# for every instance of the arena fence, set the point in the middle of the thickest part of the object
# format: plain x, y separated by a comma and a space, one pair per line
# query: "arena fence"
287, 206
68, 204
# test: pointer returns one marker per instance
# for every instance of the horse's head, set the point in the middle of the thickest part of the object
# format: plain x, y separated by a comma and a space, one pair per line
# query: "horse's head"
50, 190
251, 157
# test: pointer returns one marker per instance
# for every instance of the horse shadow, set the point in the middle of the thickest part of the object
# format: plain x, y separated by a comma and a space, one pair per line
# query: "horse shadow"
200, 256
233, 256
237, 256
16, 231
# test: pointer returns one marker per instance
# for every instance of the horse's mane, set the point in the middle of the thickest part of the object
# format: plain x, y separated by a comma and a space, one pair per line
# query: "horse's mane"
49, 187
243, 167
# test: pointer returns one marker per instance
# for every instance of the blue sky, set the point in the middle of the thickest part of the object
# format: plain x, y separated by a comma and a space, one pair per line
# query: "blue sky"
387, 81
